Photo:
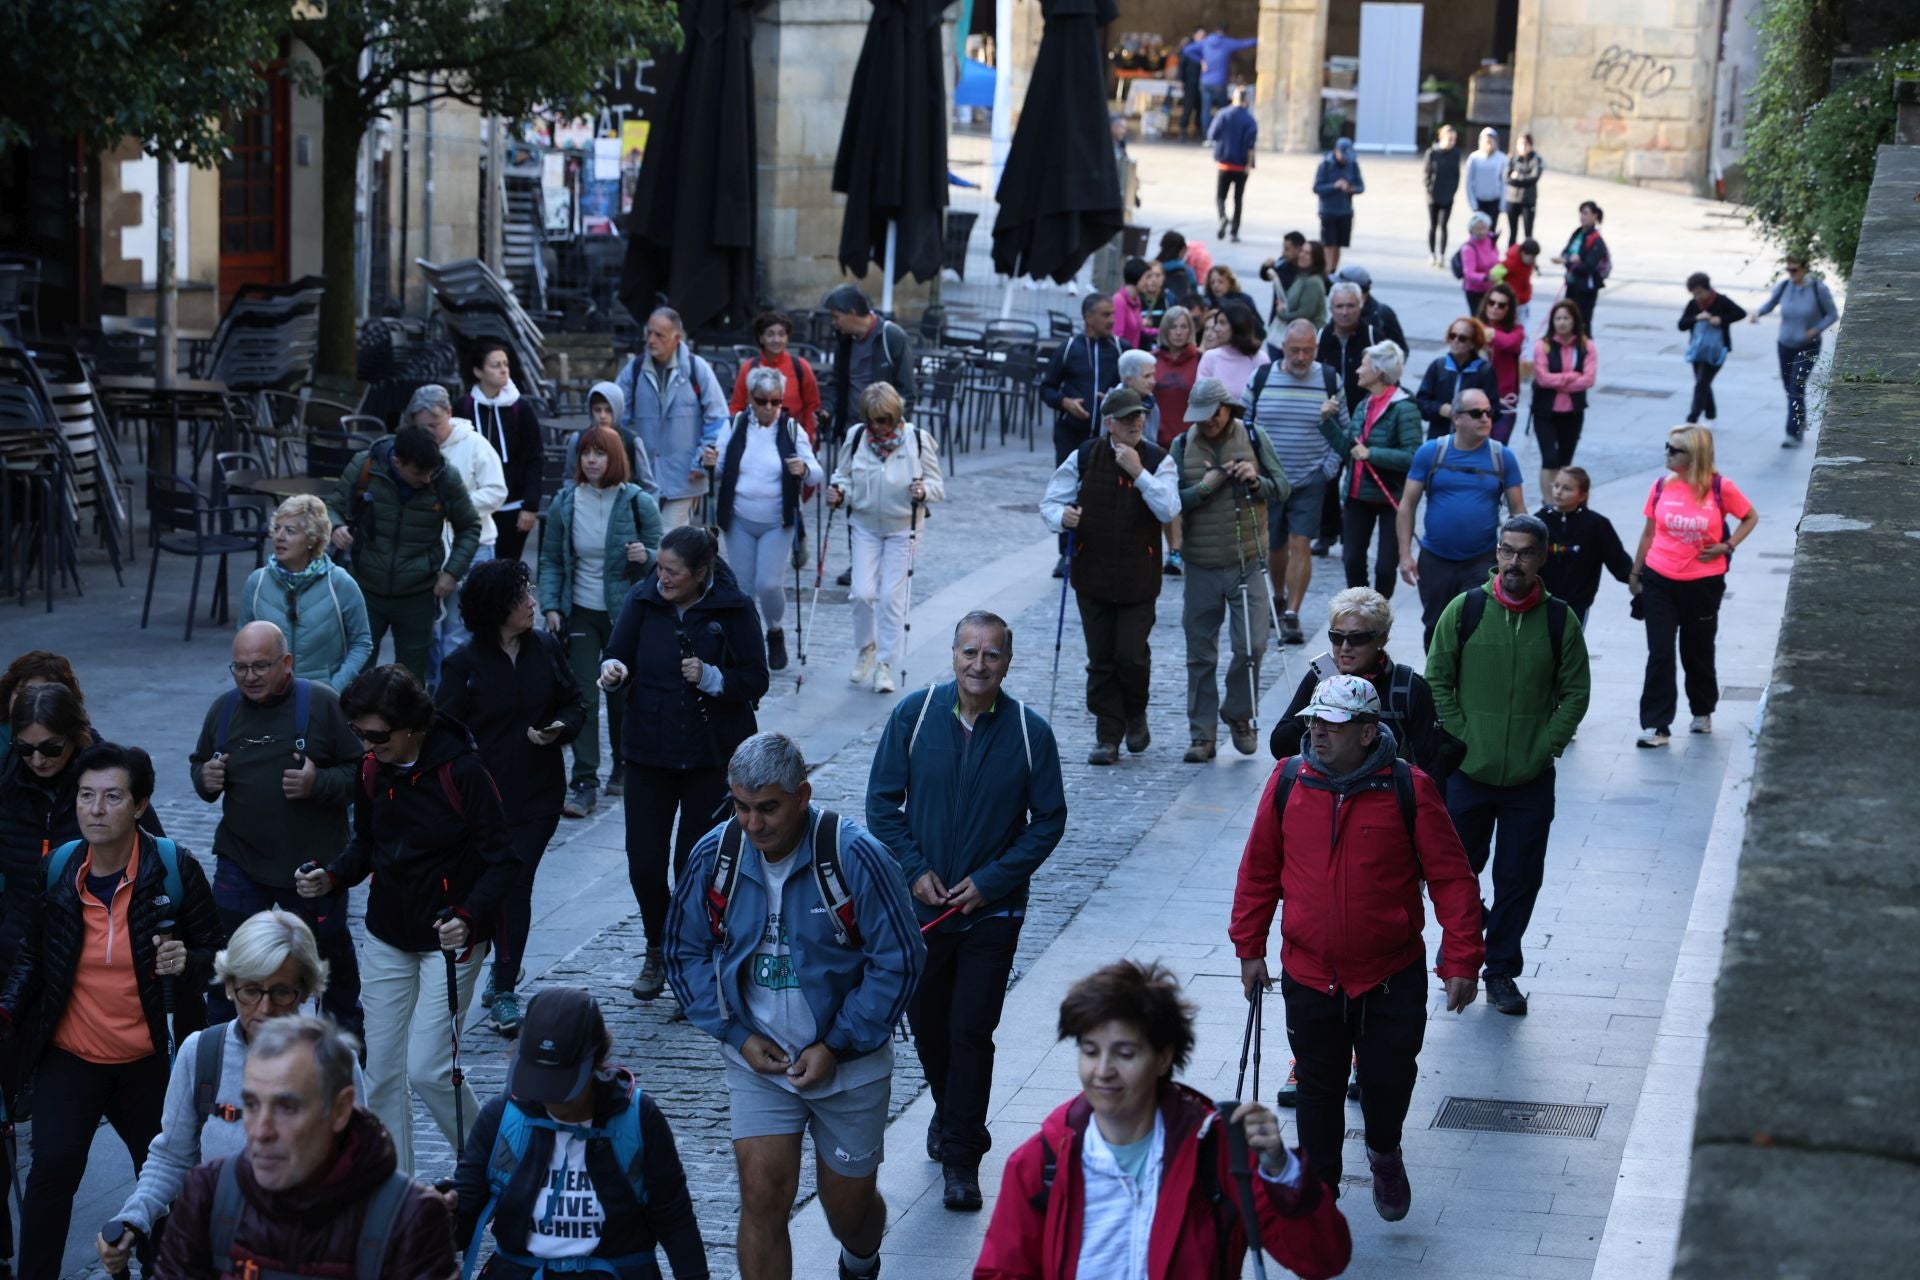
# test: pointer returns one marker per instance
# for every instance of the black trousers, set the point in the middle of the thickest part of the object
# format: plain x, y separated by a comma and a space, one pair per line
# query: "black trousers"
1585, 300
1509, 826
1358, 524
238, 897
1379, 1032
1441, 580
510, 541
655, 797
11, 1050
1689, 610
1703, 375
70, 1097
1119, 662
1559, 435
1237, 184
1515, 214
529, 841
1330, 529
1437, 216
955, 1013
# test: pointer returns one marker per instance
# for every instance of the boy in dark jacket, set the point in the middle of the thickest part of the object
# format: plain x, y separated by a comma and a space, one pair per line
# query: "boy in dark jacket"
1581, 544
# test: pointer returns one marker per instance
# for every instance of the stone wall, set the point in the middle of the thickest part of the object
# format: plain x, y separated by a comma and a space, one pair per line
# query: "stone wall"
1619, 88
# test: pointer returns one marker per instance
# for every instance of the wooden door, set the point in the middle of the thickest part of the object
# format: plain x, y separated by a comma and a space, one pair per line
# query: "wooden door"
253, 192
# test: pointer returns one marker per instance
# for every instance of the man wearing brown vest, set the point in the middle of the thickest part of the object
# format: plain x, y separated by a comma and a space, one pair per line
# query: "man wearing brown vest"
1113, 494
1228, 477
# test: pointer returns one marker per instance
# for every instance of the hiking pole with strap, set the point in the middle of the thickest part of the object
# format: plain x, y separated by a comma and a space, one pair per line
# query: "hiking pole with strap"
1380, 484
164, 931
799, 628
1060, 624
913, 554
113, 1233
819, 574
1249, 1042
1241, 1171
942, 917
720, 758
453, 1026
1246, 614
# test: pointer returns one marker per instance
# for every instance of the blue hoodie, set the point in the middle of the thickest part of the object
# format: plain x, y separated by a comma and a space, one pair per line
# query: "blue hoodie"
1233, 133
1213, 53
857, 996
1337, 164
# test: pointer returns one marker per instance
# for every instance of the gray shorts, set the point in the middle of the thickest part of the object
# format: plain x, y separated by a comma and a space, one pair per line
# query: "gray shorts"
1299, 515
849, 1129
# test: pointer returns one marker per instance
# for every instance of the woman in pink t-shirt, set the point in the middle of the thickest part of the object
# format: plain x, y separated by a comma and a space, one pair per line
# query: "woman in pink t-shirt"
1679, 576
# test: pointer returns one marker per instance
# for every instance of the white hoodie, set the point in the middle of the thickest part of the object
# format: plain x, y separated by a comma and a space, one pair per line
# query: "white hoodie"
469, 456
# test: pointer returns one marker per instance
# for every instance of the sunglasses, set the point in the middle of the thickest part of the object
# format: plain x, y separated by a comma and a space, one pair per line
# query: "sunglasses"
1675, 451
51, 748
1475, 413
766, 404
1493, 303
1357, 639
1459, 337
373, 737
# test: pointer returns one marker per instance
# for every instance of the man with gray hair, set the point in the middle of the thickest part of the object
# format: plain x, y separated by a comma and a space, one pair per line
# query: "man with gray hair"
318, 1182
1343, 344
676, 407
1295, 402
1136, 373
470, 456
401, 558
280, 758
792, 942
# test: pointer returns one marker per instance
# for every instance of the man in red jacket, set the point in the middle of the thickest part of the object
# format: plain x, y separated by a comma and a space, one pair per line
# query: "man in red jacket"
1345, 833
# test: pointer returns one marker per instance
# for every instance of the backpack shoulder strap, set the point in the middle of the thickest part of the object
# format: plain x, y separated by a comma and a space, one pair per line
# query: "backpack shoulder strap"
376, 1227
57, 861
1026, 738
1289, 774
1472, 609
725, 876
917, 722
1258, 385
452, 792
831, 879
339, 614
170, 862
302, 706
224, 725
367, 772
1049, 1168
1330, 378
1404, 796
1499, 456
225, 1218
209, 1057
1400, 693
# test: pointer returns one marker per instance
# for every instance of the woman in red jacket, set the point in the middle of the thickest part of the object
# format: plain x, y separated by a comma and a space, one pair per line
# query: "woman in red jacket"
1121, 1182
771, 331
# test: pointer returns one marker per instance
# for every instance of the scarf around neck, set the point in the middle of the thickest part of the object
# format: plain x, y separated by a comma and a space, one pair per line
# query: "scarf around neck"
294, 581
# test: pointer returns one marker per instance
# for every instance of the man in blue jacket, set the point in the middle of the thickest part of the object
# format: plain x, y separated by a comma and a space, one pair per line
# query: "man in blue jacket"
676, 407
1233, 133
792, 942
1215, 55
1083, 368
966, 792
1337, 181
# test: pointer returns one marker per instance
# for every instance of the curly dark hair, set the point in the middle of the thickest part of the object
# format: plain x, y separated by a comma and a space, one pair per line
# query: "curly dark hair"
392, 693
767, 320
493, 590
1146, 995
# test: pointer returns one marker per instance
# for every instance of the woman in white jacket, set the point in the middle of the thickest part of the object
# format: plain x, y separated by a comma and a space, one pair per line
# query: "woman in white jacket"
468, 455
888, 471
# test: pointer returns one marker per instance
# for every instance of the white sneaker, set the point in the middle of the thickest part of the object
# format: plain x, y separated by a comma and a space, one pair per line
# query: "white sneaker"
883, 679
1701, 724
1652, 738
862, 665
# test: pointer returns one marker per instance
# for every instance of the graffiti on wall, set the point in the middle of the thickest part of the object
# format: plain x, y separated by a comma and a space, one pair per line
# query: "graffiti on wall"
1631, 78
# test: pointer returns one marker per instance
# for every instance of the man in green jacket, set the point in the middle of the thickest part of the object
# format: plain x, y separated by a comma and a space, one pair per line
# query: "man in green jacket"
1508, 669
389, 507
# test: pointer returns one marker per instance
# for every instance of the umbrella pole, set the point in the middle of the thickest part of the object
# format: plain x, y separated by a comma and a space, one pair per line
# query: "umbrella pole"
893, 251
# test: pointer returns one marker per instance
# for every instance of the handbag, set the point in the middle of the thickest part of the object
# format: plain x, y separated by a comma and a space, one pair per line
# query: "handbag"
1708, 345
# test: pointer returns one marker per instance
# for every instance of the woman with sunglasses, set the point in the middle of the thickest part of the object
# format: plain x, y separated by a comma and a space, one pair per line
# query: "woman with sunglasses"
270, 967
1463, 367
39, 666
766, 469
431, 832
1499, 318
1806, 312
1566, 363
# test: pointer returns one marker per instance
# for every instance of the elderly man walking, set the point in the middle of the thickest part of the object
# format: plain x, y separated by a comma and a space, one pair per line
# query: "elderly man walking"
676, 406
1345, 833
1508, 669
1229, 478
280, 758
477, 463
1294, 403
965, 790
1114, 494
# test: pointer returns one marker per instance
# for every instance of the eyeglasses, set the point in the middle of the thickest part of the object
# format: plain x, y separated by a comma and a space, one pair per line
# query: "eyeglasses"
373, 737
1473, 413
280, 994
1505, 552
51, 748
251, 668
1356, 639
1675, 451
766, 404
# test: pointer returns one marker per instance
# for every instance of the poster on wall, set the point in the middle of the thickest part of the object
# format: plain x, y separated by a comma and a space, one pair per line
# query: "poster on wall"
599, 155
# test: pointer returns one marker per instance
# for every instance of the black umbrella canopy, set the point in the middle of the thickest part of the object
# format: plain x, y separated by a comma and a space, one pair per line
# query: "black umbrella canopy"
892, 164
691, 230
1060, 193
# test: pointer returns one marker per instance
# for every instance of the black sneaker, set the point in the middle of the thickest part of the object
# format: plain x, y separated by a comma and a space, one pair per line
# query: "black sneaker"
776, 650
1503, 995
962, 1192
1290, 632
848, 1275
1289, 1093
1060, 567
933, 1140
846, 578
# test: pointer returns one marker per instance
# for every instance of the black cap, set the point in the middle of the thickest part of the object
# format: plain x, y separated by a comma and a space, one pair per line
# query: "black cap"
560, 1039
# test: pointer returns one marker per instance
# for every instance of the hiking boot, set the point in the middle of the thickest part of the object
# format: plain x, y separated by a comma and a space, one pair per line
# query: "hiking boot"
1503, 995
862, 665
1701, 724
776, 650
846, 577
616, 785
1199, 753
1392, 1197
1653, 738
962, 1192
1173, 565
1222, 233
1245, 741
1060, 567
1104, 753
1290, 632
933, 1139
883, 679
506, 1014
491, 992
582, 799
1139, 738
652, 979
1289, 1093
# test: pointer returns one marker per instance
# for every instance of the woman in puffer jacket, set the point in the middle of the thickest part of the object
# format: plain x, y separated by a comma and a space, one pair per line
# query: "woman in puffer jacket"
317, 605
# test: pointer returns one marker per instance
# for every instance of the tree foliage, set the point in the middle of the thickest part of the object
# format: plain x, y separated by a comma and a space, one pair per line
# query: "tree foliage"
162, 71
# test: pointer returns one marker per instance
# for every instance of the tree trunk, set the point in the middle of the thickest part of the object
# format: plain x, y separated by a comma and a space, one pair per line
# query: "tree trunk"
343, 126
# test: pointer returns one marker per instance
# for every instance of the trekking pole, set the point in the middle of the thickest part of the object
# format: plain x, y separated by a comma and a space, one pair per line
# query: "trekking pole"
1060, 625
1241, 1171
819, 571
164, 931
799, 628
938, 919
1246, 616
706, 722
1246, 1040
453, 1026
1259, 1036
1380, 484
113, 1233
913, 554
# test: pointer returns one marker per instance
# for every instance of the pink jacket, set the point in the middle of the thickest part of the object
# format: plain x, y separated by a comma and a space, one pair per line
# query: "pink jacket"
1477, 257
1127, 321
1564, 383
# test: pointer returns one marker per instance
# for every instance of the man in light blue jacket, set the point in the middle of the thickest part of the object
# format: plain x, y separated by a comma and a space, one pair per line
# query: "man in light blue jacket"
675, 405
792, 941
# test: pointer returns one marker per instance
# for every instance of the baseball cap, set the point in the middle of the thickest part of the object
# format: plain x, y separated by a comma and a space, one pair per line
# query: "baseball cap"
1206, 398
1122, 402
560, 1038
1355, 275
1338, 699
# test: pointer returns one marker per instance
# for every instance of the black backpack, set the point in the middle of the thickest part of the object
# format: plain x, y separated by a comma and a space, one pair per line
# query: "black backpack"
1402, 791
828, 877
1473, 607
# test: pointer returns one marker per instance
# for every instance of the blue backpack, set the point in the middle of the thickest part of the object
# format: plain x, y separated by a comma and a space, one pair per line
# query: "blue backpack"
169, 858
510, 1145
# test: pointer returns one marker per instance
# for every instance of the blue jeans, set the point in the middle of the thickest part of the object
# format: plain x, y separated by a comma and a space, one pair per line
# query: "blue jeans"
450, 632
1213, 97
1796, 366
1508, 825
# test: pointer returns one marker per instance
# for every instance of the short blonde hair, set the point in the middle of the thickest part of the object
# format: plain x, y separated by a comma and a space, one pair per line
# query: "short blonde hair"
307, 511
1362, 602
881, 401
1698, 442
264, 942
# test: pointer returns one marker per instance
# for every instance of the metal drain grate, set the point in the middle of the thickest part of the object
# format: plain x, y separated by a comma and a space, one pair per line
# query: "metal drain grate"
1497, 1115
1634, 393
